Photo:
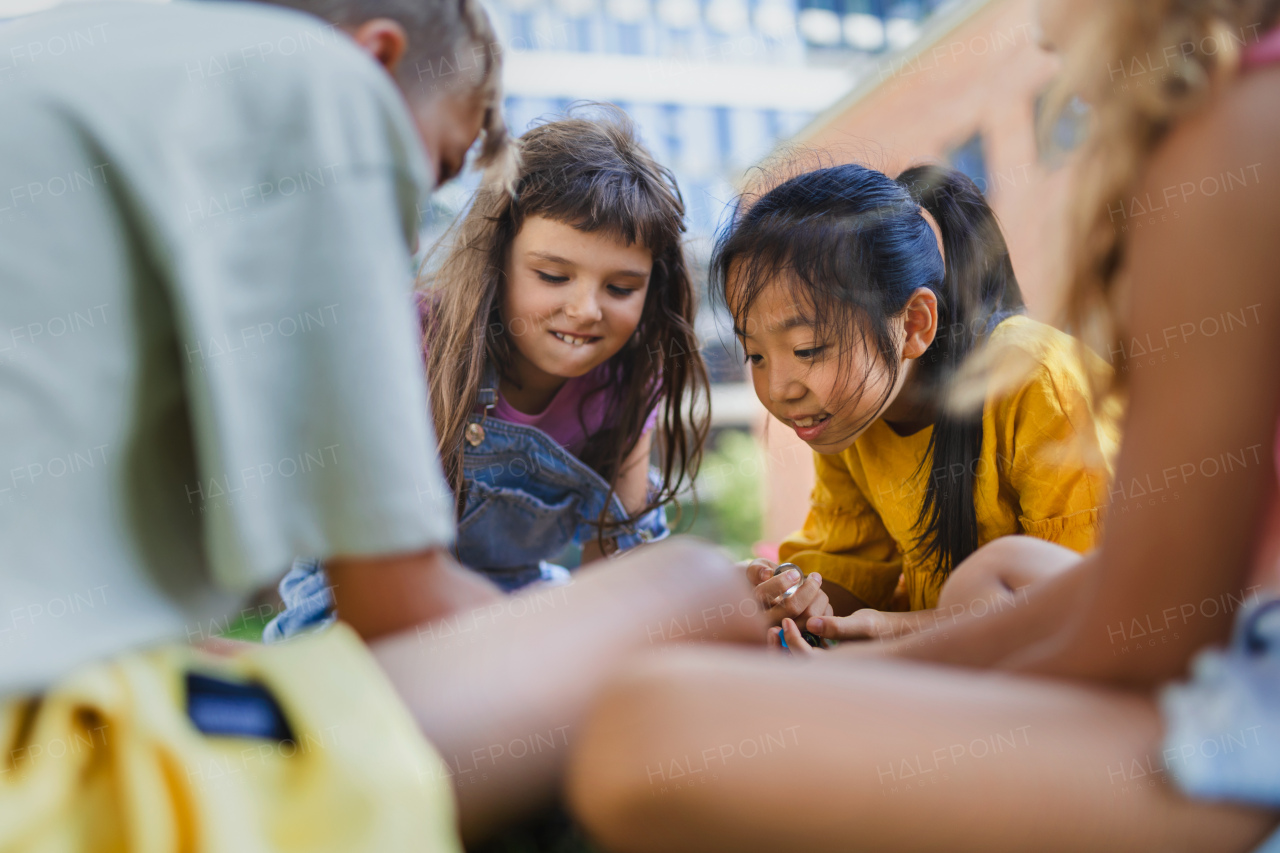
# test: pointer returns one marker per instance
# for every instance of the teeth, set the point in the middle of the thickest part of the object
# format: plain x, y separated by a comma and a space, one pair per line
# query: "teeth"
571, 339
808, 422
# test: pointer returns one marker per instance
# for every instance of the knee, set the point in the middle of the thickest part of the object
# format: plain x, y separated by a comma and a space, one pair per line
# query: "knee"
1004, 566
1018, 558
1017, 549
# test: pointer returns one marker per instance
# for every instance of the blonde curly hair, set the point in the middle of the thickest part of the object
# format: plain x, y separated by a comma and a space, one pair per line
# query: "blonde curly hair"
1171, 55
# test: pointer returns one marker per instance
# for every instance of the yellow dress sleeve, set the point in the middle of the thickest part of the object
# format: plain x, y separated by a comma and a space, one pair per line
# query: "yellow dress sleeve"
843, 537
1058, 455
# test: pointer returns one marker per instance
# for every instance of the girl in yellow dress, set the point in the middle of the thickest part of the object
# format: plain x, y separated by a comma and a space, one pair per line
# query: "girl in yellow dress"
855, 328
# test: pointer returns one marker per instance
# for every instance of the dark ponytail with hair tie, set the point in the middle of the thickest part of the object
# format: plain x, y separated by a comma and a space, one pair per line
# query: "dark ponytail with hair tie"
979, 289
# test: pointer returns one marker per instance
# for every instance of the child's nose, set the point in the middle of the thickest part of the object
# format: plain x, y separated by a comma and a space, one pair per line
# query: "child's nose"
784, 387
583, 306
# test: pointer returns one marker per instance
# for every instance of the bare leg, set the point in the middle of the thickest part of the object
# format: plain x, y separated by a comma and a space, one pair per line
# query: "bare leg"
713, 750
501, 690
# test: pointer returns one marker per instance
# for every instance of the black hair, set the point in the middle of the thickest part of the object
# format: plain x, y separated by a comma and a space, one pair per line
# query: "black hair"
852, 246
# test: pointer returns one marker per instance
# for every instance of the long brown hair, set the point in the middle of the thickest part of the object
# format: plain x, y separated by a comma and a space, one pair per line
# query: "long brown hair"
594, 175
1132, 113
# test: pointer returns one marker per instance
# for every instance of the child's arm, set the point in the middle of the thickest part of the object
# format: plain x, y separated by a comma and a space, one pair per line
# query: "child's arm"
632, 488
1202, 422
524, 670
633, 478
381, 595
973, 624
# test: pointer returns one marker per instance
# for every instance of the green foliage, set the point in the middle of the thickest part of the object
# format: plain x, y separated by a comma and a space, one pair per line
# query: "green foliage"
729, 510
247, 627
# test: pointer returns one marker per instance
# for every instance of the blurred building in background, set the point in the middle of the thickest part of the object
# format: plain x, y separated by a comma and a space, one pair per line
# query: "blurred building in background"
713, 84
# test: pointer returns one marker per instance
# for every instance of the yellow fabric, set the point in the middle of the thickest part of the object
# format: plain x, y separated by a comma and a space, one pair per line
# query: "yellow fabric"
1043, 471
107, 760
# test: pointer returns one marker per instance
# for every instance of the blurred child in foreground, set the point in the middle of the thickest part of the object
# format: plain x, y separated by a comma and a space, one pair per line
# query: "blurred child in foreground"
1095, 742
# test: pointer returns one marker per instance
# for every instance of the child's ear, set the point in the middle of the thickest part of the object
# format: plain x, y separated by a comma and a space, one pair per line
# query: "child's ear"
383, 39
920, 322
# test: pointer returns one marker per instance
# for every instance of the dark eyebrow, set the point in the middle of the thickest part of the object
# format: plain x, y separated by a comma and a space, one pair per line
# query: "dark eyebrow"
790, 323
556, 259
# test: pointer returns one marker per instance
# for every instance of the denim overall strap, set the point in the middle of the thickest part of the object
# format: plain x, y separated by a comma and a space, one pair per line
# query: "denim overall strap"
488, 396
528, 498
625, 537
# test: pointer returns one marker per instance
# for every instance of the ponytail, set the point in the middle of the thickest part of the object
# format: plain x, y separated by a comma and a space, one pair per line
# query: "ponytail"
978, 290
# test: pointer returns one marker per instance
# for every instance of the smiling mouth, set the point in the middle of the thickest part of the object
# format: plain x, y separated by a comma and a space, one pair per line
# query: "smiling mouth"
575, 340
811, 421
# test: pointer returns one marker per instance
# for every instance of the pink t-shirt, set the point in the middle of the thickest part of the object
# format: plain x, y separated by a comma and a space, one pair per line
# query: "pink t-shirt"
1266, 51
560, 418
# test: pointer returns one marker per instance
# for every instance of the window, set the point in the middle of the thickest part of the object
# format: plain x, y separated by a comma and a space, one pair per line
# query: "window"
671, 132
970, 158
724, 135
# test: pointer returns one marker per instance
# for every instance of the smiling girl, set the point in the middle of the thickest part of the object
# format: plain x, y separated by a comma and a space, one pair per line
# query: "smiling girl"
855, 327
549, 347
547, 331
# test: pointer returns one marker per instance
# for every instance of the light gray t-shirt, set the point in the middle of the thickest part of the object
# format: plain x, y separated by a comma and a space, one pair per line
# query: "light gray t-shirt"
208, 355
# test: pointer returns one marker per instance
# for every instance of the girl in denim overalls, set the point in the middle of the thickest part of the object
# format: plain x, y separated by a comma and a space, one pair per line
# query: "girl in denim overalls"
558, 336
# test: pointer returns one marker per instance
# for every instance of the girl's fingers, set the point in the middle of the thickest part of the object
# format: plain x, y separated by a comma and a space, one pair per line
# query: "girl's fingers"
775, 638
862, 625
770, 591
759, 571
799, 601
817, 603
795, 642
838, 627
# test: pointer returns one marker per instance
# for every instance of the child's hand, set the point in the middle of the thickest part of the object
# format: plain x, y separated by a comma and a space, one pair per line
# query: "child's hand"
868, 624
796, 644
755, 569
805, 603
